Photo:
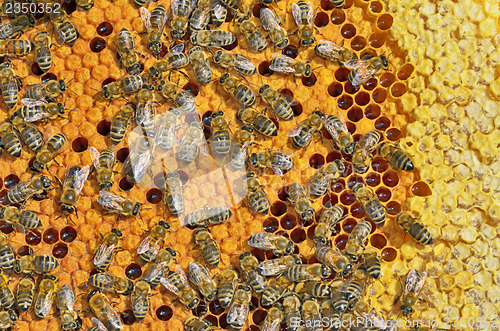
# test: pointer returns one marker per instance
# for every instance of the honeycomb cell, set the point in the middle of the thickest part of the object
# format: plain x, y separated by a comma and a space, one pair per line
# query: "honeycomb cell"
309, 81
316, 161
104, 29
321, 19
60, 250
379, 165
375, 8
80, 144
288, 221
48, 76
348, 225
362, 98
154, 196
6, 228
33, 238
259, 254
347, 198
164, 313
337, 17
330, 200
283, 193
133, 271
69, 6
390, 179
345, 102
1, 182
335, 89
122, 154
421, 189
382, 123
271, 224
358, 43
384, 22
68, 234
24, 250
338, 186
384, 194
264, 69
393, 208
348, 4
348, 31
341, 241
256, 9
212, 320
370, 84
327, 5
104, 127
125, 184
387, 79
278, 208
11, 180
296, 108
398, 89
356, 210
332, 156
341, 74
290, 51
215, 307
389, 254
405, 71
355, 114
378, 241
372, 179
128, 317
35, 69
377, 39
231, 46
372, 111
50, 236
393, 134
287, 92
97, 44
379, 95
192, 88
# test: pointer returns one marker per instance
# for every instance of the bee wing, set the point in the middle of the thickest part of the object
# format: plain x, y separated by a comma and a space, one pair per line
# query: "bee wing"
145, 244
420, 283
155, 271
287, 67
330, 48
174, 5
33, 102
243, 63
197, 275
65, 295
146, 16
182, 275
272, 325
47, 302
36, 117
140, 166
98, 324
295, 130
411, 280
363, 73
268, 19
103, 253
239, 313
60, 36
24, 187
310, 13
177, 49
110, 200
354, 63
169, 286
81, 178
296, 14
271, 267
219, 10
94, 156
144, 113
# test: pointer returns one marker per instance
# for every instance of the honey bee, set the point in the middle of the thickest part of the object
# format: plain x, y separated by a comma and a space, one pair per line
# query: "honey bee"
256, 197
327, 311
46, 295
25, 293
9, 84
201, 278
64, 30
307, 272
241, 93
279, 162
155, 23
117, 204
128, 84
128, 56
36, 110
357, 239
39, 264
53, 147
15, 47
14, 27
212, 38
49, 89
303, 14
218, 13
208, 216
326, 225
415, 229
315, 289
370, 203
7, 299
166, 132
364, 69
150, 246
73, 185
145, 111
174, 196
298, 198
338, 297
30, 135
249, 266
196, 324
181, 10
242, 139
140, 157
43, 56
201, 67
356, 287
333, 259
65, 304
103, 163
177, 283
286, 64
101, 307
275, 290
238, 62
254, 37
192, 143
220, 140
97, 325
35, 186
395, 156
25, 219
371, 263
174, 59
280, 103
159, 267
240, 307
275, 267
303, 132
320, 182
414, 283
104, 253
273, 319
363, 151
311, 313
291, 307
207, 245
332, 51
121, 123
276, 243
183, 100
107, 282
342, 137
10, 140
201, 14
140, 299
227, 281
258, 121
7, 257
85, 4
277, 33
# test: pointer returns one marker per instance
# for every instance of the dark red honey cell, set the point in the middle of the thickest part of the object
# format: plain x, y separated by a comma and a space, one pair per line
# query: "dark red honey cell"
345, 102
335, 89
305, 224
254, 303
347, 172
50, 236
122, 154
69, 6
356, 210
393, 134
421, 189
33, 238
309, 81
384, 194
326, 134
233, 45
104, 29
348, 225
48, 76
254, 327
296, 108
68, 234
338, 16
384, 22
216, 308
133, 271
341, 241
356, 137
341, 74
377, 39
310, 232
372, 179
206, 115
347, 198
370, 84
80, 144
390, 179
127, 317
333, 155
256, 9
379, 95
264, 69
163, 51
259, 316
348, 31
316, 161
192, 88
393, 208
283, 233
362, 99
351, 127
278, 208
60, 250
201, 310
321, 19
327, 5
389, 254
387, 79
107, 81
35, 69
283, 193
287, 92
376, 7
270, 255
338, 186
24, 250
5, 227
349, 89
379, 164
288, 221
125, 185
290, 51
405, 71
270, 225
298, 235
103, 127
378, 241
212, 320
207, 132
259, 254
164, 313
398, 89
353, 180
374, 226
330, 200
223, 321
382, 123
355, 114
358, 43
154, 196
97, 44
11, 180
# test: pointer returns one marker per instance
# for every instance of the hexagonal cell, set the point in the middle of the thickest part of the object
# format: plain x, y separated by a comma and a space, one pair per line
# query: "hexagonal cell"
378, 240
405, 71
387, 79
288, 221
271, 224
384, 22
321, 19
358, 43
377, 39
398, 89
337, 17
104, 29
389, 254
278, 208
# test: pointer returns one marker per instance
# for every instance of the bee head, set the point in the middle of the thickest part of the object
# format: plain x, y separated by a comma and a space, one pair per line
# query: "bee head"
137, 207
217, 56
223, 78
244, 255
164, 224
193, 303
347, 270
266, 2
247, 128
46, 182
406, 311
263, 88
325, 271
117, 232
385, 62
105, 186
308, 71
67, 209
31, 20
284, 43
62, 85
290, 248
155, 73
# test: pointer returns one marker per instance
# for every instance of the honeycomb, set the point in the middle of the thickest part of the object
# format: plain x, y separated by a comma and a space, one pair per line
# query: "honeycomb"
439, 98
